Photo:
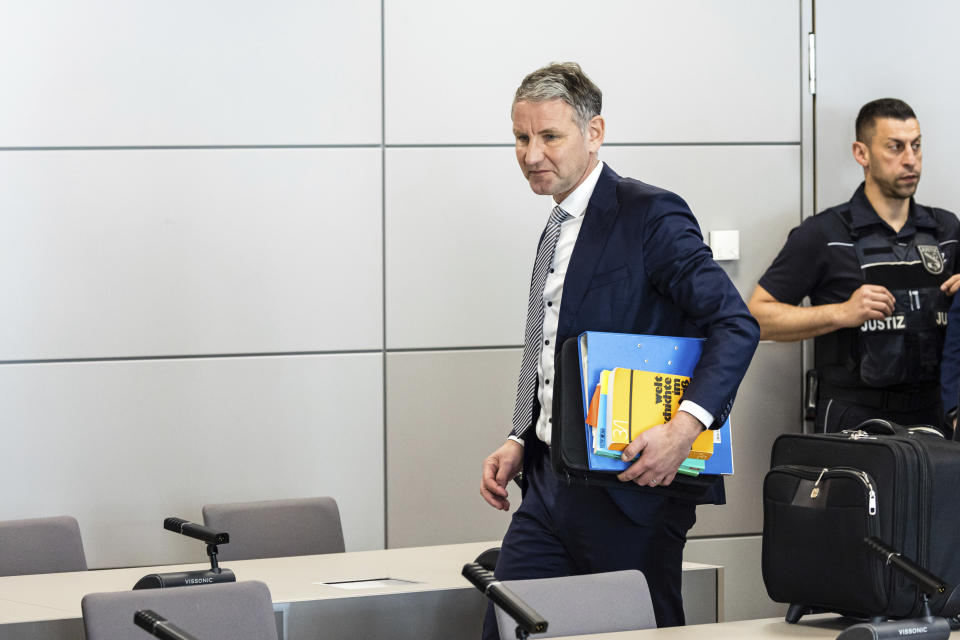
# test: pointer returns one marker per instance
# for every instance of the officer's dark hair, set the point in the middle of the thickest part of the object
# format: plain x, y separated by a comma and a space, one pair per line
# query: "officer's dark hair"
563, 81
882, 108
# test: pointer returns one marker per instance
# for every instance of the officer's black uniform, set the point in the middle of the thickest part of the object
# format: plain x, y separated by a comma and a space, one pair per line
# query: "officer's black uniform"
886, 368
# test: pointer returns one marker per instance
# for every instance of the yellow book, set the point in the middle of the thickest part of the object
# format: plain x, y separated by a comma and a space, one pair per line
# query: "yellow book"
644, 399
620, 435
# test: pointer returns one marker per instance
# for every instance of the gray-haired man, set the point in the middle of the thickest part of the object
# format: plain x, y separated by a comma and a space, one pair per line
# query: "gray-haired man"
623, 256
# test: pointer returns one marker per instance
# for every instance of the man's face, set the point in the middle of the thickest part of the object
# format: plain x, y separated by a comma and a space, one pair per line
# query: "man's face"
553, 153
893, 158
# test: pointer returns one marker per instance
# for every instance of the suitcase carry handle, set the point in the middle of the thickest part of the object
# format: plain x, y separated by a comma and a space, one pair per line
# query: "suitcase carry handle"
881, 427
877, 427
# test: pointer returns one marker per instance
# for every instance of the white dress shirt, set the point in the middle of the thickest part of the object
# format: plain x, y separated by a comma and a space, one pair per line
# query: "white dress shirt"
575, 205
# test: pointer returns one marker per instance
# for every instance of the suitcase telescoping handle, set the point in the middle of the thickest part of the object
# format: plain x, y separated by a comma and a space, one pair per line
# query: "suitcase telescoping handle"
810, 395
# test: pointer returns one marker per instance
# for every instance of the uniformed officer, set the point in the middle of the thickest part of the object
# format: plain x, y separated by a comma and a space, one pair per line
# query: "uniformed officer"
879, 271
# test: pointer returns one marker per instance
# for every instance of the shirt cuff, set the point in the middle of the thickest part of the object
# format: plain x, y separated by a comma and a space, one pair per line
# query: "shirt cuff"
697, 412
516, 439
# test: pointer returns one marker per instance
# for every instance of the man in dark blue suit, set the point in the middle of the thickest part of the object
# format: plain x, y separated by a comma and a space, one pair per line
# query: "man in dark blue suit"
623, 256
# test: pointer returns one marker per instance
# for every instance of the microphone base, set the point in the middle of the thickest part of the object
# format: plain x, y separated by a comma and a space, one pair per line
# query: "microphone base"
918, 628
184, 579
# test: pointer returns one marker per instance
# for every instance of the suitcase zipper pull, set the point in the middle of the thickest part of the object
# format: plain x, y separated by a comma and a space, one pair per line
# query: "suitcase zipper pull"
816, 485
871, 496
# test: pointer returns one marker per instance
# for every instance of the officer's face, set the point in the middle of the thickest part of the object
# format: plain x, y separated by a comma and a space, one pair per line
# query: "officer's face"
893, 157
554, 154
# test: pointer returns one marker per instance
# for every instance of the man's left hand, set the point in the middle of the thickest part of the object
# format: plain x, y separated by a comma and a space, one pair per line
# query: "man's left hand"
951, 284
664, 448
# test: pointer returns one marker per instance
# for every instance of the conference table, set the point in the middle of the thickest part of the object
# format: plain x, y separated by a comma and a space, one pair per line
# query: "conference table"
414, 593
818, 627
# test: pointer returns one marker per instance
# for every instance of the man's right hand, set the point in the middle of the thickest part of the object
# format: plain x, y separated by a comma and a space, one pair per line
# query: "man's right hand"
869, 302
499, 469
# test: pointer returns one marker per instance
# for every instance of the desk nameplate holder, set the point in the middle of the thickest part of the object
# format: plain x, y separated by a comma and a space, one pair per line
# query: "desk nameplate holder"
367, 583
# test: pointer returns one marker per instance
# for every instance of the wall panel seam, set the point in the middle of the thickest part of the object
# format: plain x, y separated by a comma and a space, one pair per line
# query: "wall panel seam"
203, 356
202, 147
383, 268
444, 145
509, 145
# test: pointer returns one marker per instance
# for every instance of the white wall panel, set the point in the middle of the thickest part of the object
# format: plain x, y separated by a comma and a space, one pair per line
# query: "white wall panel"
443, 402
128, 253
121, 445
767, 404
919, 72
744, 595
446, 412
693, 70
459, 256
752, 189
461, 233
118, 72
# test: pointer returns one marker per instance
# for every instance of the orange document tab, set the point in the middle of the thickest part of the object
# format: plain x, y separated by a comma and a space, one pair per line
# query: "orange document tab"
594, 407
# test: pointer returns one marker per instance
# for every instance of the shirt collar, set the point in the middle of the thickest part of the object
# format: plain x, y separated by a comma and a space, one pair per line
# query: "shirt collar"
864, 215
576, 203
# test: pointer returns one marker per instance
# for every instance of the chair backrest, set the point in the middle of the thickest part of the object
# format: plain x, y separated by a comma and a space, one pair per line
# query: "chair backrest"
226, 611
41, 545
275, 528
488, 559
577, 605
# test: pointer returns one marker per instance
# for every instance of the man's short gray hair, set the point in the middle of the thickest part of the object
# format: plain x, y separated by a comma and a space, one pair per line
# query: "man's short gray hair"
563, 81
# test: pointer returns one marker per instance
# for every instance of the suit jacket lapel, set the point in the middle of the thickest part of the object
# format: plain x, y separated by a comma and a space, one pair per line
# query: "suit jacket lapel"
597, 224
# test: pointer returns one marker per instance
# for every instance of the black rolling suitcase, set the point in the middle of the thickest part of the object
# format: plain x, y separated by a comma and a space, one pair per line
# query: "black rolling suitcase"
825, 493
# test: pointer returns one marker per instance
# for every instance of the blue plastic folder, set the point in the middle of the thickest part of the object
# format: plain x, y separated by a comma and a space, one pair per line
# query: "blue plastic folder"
662, 354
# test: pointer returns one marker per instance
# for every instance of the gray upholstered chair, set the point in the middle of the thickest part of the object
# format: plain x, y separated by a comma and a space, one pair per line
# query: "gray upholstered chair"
275, 528
226, 611
578, 605
41, 545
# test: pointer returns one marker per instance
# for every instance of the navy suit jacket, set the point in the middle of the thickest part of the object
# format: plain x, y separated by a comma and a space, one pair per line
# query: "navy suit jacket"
640, 265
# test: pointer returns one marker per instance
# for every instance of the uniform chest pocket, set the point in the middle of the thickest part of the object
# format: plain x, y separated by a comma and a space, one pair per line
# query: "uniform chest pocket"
905, 347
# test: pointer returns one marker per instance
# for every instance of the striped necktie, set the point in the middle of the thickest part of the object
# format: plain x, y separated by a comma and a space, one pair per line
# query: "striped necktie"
527, 386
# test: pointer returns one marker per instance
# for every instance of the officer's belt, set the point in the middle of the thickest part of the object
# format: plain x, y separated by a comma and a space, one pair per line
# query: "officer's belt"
919, 398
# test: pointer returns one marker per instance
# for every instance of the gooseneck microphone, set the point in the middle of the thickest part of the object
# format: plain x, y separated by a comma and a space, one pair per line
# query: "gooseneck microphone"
528, 619
157, 625
192, 530
187, 578
927, 626
928, 583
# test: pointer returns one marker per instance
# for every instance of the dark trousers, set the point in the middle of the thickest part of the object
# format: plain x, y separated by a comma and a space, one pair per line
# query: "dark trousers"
562, 530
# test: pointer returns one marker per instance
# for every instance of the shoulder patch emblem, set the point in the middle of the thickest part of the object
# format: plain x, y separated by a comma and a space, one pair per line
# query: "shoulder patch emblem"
932, 260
